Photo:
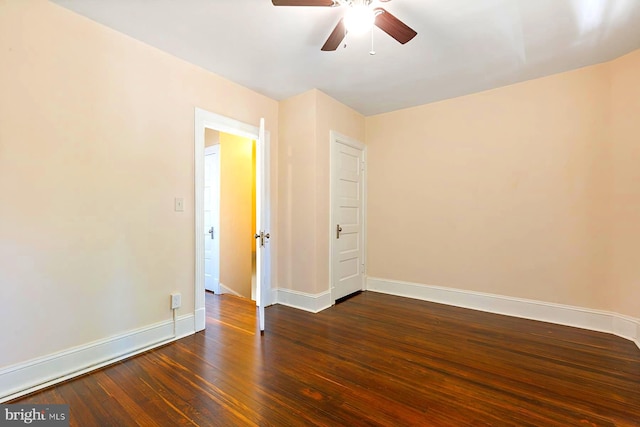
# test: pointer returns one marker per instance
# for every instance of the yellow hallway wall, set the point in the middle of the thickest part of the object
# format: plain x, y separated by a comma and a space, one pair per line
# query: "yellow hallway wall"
236, 213
96, 141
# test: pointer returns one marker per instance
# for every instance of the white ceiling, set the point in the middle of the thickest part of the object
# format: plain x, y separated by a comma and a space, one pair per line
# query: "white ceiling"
462, 46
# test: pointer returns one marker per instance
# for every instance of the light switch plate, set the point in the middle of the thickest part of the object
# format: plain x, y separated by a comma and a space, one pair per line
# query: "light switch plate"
179, 204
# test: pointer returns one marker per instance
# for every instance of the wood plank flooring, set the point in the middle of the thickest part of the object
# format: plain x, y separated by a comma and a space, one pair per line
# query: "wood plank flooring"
374, 360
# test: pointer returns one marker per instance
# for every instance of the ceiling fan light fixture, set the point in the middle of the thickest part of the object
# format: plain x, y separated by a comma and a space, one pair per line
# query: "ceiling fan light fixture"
359, 19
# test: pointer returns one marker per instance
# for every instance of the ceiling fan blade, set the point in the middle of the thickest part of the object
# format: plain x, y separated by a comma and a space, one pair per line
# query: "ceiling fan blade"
302, 2
336, 37
393, 26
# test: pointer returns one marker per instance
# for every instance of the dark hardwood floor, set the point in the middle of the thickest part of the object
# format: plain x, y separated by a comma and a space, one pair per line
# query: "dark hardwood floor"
372, 360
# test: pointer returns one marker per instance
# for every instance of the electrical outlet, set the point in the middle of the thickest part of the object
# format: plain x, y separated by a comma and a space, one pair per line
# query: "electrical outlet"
176, 301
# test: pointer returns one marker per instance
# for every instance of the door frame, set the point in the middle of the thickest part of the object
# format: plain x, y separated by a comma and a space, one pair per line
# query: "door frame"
334, 139
208, 120
216, 225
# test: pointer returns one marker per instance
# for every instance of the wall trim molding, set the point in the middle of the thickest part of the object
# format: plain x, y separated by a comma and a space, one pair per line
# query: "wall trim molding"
626, 327
27, 377
579, 317
302, 300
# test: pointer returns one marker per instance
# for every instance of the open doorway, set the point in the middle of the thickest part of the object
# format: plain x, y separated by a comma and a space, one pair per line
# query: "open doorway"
206, 120
229, 214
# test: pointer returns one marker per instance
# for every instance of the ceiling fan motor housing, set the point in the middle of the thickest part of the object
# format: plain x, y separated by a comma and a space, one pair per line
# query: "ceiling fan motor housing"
362, 12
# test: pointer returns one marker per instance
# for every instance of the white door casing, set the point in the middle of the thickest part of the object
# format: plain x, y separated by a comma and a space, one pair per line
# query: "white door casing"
348, 214
212, 218
207, 120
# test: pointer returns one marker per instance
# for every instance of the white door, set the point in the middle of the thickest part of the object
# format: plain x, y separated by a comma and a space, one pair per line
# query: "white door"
347, 216
212, 218
263, 253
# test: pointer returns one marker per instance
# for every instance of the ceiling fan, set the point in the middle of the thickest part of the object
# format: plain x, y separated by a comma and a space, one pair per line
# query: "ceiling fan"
360, 17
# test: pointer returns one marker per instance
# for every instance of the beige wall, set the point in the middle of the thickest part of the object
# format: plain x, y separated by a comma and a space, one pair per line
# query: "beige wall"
236, 213
503, 192
296, 182
96, 141
625, 199
305, 123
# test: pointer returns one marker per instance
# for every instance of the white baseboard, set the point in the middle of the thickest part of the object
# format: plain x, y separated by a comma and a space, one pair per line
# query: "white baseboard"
626, 327
225, 290
585, 318
200, 319
303, 301
24, 378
